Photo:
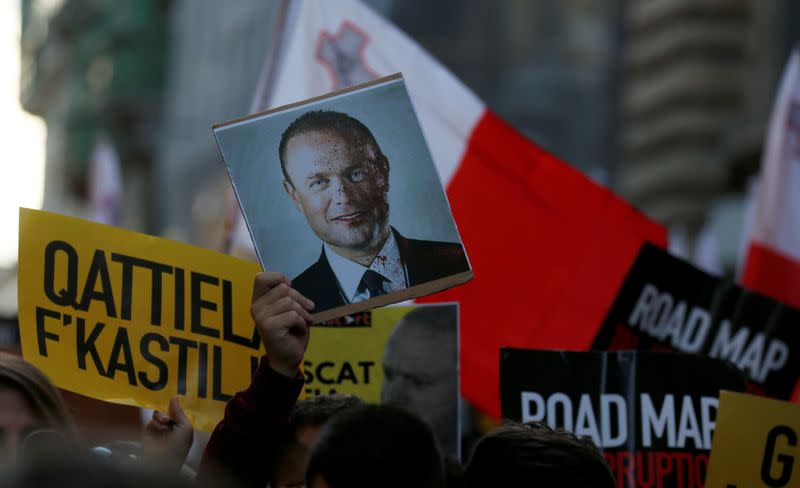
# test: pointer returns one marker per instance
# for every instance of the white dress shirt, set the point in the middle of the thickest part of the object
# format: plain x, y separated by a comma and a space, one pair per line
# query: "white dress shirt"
387, 263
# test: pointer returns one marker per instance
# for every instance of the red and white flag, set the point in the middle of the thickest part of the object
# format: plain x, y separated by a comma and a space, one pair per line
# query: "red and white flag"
772, 266
549, 247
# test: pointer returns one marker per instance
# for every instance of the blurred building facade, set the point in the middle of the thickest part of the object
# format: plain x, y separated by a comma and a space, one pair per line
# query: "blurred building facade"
547, 67
699, 81
94, 69
217, 58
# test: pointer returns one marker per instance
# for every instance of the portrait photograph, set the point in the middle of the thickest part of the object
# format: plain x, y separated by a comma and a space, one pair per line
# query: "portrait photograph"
341, 195
420, 371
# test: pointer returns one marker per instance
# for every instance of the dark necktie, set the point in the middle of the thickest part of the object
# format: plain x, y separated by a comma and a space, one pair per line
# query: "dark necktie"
373, 282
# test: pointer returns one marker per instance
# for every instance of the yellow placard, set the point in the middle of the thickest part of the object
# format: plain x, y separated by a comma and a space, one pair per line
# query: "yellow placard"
134, 319
345, 356
755, 443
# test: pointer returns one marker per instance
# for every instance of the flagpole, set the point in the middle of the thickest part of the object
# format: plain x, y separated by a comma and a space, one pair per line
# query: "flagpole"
266, 79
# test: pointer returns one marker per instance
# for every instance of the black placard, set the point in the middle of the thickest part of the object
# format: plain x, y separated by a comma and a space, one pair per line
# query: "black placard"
666, 304
652, 414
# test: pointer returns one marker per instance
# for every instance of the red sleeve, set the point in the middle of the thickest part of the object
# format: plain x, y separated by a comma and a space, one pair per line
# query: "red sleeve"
243, 444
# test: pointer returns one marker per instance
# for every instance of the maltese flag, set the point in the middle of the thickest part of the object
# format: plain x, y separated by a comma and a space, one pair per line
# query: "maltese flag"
549, 248
772, 266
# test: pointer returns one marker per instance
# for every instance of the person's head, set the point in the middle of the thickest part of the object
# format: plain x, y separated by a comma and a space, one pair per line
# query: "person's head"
305, 421
28, 402
420, 370
375, 445
534, 452
336, 174
77, 469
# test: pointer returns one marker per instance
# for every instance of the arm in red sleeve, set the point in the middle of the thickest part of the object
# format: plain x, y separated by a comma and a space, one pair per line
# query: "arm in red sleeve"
244, 443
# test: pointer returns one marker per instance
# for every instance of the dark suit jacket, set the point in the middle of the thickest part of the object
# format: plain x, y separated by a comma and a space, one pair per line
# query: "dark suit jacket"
424, 261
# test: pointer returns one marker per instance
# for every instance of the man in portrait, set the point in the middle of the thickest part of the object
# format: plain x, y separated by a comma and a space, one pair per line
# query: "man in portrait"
420, 370
338, 177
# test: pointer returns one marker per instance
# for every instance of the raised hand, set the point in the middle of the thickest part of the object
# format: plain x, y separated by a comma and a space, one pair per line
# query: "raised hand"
282, 317
166, 438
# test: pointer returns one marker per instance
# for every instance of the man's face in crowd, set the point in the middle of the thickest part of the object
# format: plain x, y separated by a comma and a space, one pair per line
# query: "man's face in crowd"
420, 375
291, 471
341, 187
17, 420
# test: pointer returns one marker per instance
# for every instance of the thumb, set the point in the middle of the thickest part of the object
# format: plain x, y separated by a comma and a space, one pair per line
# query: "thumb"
176, 413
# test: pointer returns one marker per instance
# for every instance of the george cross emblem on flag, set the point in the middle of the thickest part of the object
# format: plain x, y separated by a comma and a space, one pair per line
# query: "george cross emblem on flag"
342, 54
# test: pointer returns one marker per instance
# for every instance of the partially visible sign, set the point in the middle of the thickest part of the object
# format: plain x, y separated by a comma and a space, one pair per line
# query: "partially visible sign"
756, 443
666, 304
404, 355
652, 414
345, 354
134, 319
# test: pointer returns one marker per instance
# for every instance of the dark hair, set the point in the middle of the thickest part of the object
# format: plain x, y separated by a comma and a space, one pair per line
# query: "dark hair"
376, 445
535, 452
322, 120
313, 411
316, 410
42, 397
73, 469
437, 319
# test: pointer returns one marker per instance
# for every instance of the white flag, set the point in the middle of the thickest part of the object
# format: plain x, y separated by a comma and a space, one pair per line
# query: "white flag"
772, 266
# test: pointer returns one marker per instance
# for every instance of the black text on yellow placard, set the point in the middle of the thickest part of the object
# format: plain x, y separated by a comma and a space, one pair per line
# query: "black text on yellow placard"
135, 319
756, 443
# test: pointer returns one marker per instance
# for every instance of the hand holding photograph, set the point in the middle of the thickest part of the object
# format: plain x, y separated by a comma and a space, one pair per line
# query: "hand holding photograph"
340, 194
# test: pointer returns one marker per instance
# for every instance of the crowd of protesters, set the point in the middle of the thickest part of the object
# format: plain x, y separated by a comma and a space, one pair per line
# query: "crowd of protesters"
270, 438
